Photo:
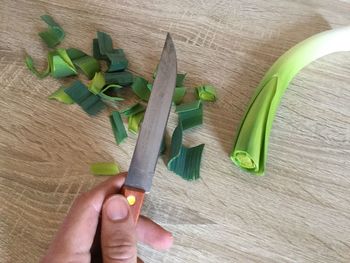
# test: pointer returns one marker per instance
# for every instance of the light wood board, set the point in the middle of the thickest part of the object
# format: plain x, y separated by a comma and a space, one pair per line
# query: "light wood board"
298, 212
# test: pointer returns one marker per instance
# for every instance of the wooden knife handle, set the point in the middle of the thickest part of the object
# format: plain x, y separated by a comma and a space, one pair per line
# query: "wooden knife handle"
135, 198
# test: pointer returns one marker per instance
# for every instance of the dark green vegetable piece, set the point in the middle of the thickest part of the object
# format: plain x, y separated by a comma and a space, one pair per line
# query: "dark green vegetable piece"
134, 109
184, 161
118, 127
30, 64
206, 93
80, 94
103, 49
88, 65
54, 35
179, 94
190, 114
134, 122
117, 60
139, 87
180, 78
96, 50
104, 42
103, 94
124, 78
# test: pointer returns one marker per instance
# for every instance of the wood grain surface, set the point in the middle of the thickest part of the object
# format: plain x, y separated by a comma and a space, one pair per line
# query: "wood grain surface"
298, 212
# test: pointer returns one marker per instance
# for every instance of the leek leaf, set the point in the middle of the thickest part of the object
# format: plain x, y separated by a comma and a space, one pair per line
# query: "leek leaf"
88, 65
124, 78
184, 161
96, 50
104, 169
88, 101
104, 42
117, 60
139, 87
61, 96
190, 114
97, 83
118, 127
54, 35
180, 78
251, 144
179, 94
134, 122
206, 93
103, 94
30, 64
60, 64
134, 109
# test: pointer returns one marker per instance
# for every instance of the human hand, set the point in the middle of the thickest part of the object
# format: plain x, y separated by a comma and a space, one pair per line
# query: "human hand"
81, 238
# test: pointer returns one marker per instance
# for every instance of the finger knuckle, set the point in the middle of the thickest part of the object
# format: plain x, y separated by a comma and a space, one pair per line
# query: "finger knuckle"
120, 252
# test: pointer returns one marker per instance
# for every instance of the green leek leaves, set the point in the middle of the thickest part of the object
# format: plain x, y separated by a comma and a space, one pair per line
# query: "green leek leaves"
54, 35
104, 169
118, 127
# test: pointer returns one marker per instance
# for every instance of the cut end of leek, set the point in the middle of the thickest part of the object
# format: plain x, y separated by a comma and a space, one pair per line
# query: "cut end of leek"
244, 160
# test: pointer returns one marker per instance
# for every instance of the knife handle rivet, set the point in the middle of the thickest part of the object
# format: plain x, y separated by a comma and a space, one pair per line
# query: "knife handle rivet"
131, 199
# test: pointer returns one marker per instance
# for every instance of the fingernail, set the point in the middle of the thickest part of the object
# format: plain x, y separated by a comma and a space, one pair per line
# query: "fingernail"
117, 208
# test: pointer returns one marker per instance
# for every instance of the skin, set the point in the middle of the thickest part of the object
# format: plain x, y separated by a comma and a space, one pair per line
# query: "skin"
99, 228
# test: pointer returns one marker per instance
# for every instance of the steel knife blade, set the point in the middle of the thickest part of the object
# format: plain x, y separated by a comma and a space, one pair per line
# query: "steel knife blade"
146, 153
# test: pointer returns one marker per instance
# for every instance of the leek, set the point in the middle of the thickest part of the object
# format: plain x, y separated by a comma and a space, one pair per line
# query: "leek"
250, 147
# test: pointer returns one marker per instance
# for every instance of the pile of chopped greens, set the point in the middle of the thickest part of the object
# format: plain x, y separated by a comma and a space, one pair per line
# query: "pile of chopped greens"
103, 86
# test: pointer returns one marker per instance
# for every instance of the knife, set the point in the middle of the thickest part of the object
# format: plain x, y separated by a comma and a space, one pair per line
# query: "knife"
146, 153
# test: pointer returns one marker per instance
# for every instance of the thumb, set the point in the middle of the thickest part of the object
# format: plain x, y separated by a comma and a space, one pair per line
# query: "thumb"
118, 232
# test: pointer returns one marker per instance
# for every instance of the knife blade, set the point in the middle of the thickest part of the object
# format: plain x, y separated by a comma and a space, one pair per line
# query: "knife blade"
145, 156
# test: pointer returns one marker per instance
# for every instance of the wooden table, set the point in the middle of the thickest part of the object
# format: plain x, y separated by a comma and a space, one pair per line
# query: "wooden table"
298, 212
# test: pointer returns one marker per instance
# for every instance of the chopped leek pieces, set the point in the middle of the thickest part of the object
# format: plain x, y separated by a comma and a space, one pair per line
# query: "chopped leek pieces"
54, 34
104, 86
190, 114
206, 93
124, 78
88, 65
97, 83
184, 161
80, 94
118, 127
179, 94
104, 169
59, 65
134, 122
180, 78
104, 94
30, 65
61, 96
134, 109
250, 147
103, 49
